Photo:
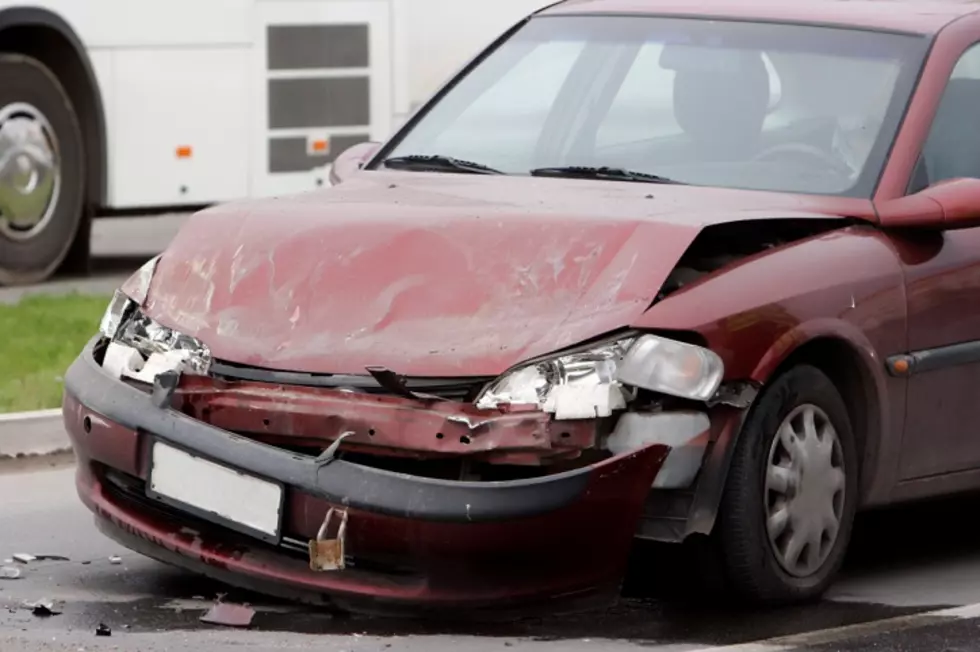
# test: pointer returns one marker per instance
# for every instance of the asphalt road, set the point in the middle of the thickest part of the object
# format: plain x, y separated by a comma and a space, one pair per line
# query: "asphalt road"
904, 563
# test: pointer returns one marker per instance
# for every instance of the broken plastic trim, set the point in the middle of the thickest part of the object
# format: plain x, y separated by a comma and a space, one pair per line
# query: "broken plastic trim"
685, 432
737, 394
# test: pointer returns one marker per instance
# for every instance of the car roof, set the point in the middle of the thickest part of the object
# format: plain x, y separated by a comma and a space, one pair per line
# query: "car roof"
913, 16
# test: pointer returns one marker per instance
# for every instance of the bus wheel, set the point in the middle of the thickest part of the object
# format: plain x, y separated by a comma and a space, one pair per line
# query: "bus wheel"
41, 171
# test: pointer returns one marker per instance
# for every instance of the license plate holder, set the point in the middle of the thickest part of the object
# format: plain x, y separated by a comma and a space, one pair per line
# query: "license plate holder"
215, 492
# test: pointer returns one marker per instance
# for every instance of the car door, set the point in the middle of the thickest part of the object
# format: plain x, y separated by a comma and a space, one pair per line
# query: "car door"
942, 432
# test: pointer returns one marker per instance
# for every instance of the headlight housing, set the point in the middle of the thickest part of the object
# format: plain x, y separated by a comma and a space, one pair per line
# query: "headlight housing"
125, 324
596, 381
670, 367
579, 384
140, 347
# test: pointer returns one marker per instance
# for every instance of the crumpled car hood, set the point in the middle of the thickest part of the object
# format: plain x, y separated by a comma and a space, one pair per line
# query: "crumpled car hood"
430, 274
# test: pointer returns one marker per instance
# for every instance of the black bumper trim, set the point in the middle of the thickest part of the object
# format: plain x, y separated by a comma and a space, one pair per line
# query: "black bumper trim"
339, 482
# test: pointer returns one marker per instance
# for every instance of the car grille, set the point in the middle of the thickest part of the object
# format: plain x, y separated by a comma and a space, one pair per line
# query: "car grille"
453, 389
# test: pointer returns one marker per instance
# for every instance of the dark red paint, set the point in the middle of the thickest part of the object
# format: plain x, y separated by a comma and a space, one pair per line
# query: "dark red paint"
575, 549
915, 16
434, 274
454, 275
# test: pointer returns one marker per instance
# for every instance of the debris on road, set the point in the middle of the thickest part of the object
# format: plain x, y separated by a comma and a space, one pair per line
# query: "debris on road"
232, 615
44, 607
115, 560
24, 558
51, 558
103, 630
9, 573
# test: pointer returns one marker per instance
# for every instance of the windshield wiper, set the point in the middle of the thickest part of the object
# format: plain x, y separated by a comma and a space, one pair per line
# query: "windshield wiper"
611, 174
437, 162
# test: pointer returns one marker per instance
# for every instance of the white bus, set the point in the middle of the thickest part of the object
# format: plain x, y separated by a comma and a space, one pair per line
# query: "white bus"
147, 106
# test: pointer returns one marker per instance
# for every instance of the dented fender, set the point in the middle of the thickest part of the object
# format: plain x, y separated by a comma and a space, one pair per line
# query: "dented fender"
757, 310
844, 285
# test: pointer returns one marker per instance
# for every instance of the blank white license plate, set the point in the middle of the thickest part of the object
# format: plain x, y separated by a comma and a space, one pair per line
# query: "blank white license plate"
215, 492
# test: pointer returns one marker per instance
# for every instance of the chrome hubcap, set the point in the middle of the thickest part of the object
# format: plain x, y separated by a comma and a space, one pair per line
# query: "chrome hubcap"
804, 491
30, 171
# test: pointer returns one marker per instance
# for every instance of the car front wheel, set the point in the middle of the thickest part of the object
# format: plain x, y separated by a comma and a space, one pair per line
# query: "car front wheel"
789, 503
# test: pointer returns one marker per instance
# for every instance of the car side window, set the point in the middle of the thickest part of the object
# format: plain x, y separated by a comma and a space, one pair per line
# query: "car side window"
952, 149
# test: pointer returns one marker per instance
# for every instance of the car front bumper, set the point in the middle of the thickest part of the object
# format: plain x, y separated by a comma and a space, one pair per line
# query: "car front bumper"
411, 541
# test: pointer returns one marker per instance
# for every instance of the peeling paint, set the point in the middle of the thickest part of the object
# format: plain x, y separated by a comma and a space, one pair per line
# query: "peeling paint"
471, 423
317, 417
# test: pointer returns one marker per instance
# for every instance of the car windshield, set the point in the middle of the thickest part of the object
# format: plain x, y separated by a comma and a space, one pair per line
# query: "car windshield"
766, 106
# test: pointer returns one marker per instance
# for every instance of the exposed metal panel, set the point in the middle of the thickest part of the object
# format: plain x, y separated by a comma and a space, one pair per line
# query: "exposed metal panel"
293, 155
298, 47
322, 102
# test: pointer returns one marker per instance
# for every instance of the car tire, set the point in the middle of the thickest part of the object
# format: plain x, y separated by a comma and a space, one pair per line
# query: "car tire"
784, 486
42, 172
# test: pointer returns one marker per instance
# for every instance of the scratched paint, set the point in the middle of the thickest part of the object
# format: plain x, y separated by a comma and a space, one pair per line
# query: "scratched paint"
438, 275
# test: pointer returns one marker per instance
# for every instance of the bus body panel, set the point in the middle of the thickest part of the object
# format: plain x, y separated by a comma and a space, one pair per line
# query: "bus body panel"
214, 101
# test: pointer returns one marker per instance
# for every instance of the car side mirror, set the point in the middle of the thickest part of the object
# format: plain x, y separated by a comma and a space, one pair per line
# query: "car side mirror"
947, 205
351, 160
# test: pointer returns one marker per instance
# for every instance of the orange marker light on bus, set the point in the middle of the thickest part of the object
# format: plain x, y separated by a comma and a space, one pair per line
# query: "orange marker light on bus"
184, 151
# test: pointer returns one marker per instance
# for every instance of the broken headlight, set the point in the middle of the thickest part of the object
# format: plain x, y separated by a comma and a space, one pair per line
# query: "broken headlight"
577, 385
596, 381
140, 347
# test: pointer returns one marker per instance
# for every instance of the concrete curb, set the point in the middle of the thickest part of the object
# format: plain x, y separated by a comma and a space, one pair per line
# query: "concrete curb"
28, 434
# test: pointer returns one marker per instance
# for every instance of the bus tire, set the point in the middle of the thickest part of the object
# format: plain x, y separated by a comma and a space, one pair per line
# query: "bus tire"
42, 171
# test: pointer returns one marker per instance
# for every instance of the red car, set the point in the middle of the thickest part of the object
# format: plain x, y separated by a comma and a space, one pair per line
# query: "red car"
641, 270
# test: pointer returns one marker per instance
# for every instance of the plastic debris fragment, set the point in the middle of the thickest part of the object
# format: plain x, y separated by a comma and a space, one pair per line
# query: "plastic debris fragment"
231, 615
9, 573
44, 607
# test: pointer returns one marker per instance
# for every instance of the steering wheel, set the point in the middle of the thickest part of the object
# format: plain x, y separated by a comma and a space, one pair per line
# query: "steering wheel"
815, 153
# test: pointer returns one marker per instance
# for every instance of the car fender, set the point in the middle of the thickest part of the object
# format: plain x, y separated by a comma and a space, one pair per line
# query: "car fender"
756, 313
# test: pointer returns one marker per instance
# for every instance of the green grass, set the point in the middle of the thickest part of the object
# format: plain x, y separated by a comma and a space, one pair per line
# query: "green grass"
39, 338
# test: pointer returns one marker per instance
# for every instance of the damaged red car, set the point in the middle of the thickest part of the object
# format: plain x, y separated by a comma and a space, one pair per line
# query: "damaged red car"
641, 270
